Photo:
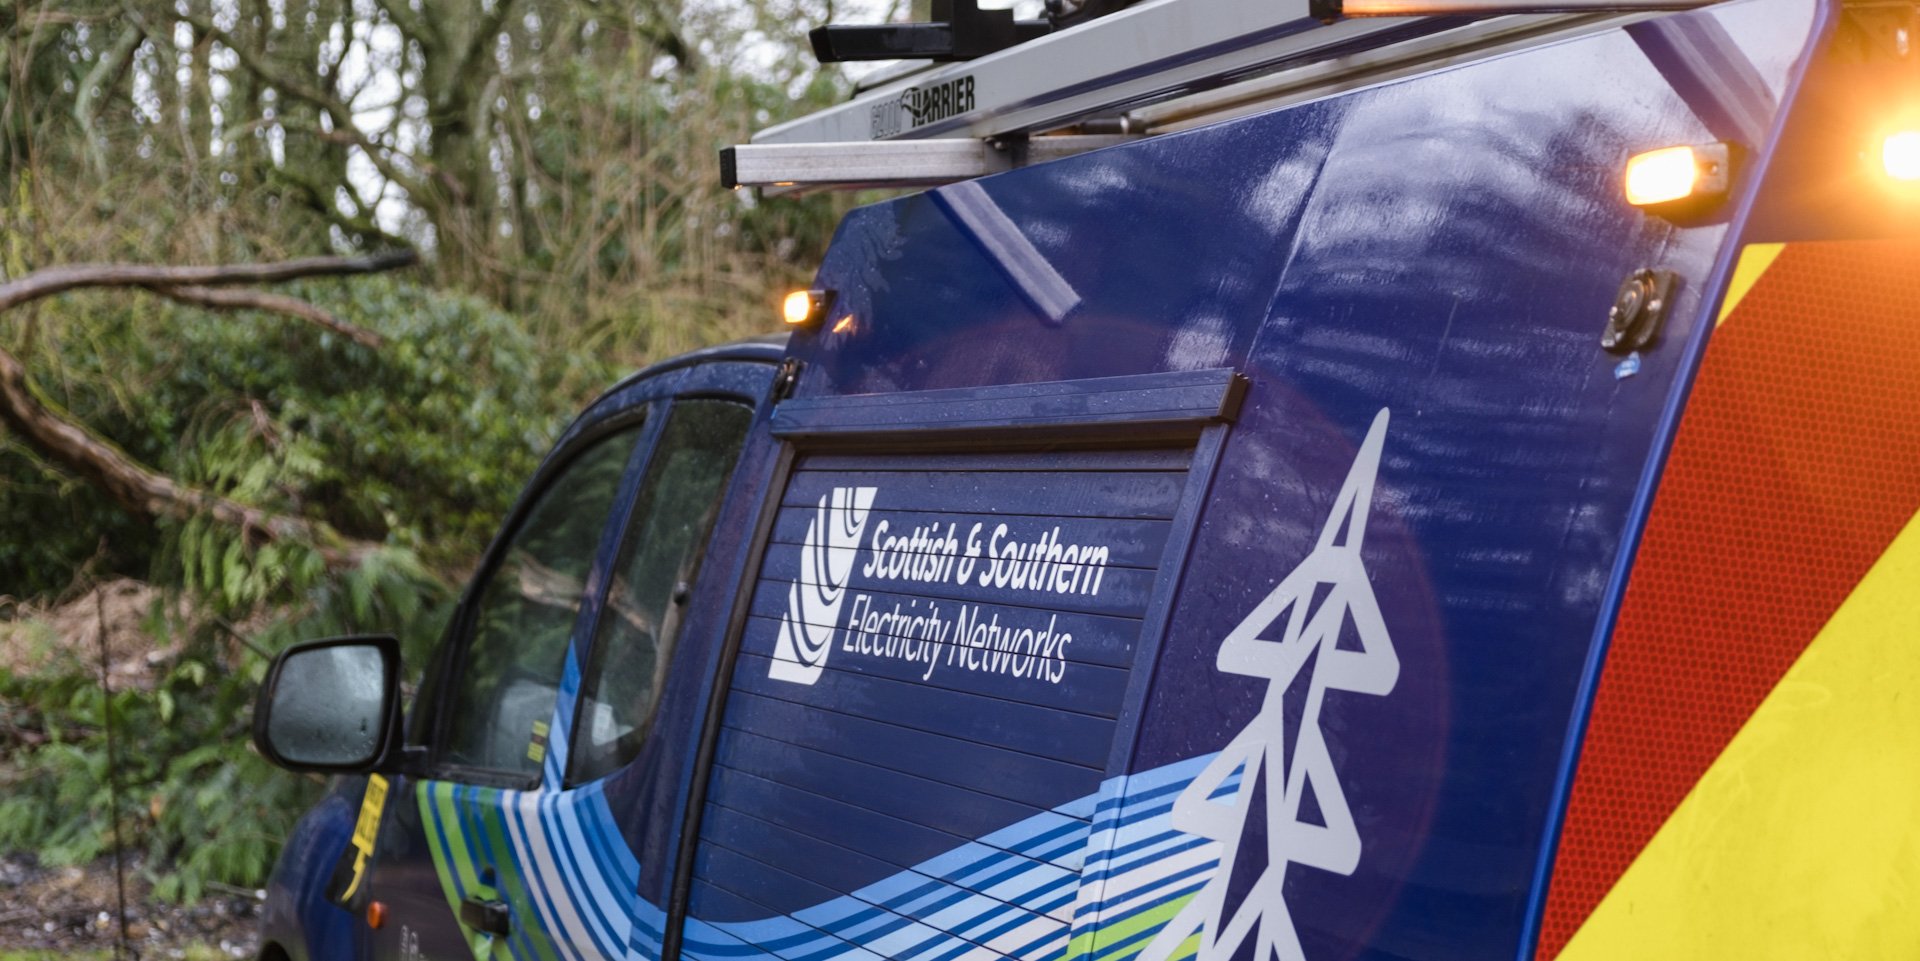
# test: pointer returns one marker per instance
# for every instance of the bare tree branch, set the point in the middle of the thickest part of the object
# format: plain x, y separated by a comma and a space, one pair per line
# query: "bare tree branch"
337, 110
106, 73
314, 198
216, 299
424, 31
55, 280
662, 26
466, 74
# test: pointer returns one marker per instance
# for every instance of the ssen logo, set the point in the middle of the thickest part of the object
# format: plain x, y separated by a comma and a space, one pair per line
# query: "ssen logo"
813, 602
935, 597
919, 106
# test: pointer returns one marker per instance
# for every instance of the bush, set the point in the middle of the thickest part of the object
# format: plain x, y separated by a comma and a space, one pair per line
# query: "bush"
418, 446
192, 794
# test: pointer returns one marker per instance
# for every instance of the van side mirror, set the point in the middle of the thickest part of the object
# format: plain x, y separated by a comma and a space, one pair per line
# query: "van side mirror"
331, 705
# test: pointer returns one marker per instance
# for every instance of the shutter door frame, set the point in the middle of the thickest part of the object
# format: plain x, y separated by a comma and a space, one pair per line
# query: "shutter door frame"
1185, 409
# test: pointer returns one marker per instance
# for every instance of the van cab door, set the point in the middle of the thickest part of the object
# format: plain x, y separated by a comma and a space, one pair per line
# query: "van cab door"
546, 696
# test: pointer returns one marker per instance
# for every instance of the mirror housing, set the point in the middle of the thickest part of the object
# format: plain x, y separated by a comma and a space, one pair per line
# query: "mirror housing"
331, 706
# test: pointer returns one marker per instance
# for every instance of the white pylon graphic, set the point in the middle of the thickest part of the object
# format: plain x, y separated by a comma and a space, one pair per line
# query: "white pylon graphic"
1285, 636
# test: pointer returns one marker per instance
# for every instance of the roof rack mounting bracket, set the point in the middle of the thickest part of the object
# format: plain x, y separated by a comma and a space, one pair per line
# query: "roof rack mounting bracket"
960, 31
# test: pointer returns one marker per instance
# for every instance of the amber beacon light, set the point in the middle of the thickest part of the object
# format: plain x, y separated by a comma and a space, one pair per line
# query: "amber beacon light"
806, 308
1900, 155
1678, 177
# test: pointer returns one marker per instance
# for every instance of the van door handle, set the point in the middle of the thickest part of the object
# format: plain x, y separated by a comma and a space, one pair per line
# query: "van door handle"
490, 917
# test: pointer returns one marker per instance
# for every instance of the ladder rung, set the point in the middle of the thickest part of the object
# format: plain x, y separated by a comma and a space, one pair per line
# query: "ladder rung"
890, 163
1143, 50
1150, 53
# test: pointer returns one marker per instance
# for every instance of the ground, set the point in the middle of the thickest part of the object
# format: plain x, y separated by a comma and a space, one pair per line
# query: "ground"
71, 913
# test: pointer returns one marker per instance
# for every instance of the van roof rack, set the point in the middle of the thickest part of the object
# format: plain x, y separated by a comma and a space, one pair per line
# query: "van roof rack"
960, 30
1155, 67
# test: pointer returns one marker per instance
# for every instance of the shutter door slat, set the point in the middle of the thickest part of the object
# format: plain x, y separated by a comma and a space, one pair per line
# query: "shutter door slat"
1023, 778
920, 715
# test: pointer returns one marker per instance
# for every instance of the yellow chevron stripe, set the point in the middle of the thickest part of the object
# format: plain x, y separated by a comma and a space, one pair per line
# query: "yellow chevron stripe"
1754, 261
1802, 840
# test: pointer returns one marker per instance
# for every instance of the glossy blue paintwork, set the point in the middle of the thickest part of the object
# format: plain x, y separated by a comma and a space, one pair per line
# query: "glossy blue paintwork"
1137, 402
1444, 248
297, 917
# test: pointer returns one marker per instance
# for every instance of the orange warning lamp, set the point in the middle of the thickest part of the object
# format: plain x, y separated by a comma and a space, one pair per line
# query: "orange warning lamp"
1661, 176
806, 308
1690, 176
1900, 155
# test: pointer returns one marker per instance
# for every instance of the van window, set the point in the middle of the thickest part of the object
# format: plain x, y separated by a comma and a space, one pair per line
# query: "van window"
509, 671
659, 559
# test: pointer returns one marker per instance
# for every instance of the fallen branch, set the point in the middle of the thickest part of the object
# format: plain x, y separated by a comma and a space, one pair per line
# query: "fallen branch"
56, 280
102, 463
106, 466
216, 299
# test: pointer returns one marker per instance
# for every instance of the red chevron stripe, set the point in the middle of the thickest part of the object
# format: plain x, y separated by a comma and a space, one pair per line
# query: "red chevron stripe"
1796, 462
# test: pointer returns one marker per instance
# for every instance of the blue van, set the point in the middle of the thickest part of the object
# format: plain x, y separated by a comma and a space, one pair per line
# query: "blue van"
1404, 521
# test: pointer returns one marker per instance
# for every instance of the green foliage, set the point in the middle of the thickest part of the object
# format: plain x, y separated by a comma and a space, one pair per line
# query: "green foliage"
192, 793
420, 444
562, 188
70, 522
